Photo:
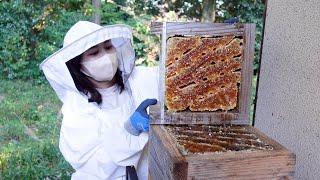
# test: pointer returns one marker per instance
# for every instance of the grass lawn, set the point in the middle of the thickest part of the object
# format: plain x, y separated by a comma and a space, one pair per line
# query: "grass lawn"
30, 121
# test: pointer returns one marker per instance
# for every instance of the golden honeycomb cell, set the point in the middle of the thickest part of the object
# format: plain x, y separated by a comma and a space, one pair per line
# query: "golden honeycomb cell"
203, 73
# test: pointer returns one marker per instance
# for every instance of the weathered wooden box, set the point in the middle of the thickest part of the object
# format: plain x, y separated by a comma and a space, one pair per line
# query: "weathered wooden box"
200, 128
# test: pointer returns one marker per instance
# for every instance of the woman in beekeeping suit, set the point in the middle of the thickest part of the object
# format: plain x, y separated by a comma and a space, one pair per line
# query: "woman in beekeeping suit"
105, 98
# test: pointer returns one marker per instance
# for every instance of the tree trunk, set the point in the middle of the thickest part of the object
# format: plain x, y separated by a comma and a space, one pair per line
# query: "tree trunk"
168, 5
96, 14
208, 10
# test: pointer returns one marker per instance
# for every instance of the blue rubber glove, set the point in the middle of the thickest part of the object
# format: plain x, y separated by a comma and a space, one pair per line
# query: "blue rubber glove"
139, 120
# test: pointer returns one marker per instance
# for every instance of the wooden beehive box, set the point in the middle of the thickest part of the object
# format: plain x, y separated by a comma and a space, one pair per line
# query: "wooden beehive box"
200, 128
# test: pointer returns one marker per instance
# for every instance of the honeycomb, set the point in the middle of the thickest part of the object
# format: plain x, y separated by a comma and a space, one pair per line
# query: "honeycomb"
203, 73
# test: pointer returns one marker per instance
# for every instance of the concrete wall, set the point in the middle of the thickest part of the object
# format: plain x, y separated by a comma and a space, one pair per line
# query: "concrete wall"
288, 104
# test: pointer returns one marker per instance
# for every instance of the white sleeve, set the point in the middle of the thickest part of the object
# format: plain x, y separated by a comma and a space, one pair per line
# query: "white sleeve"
144, 81
87, 142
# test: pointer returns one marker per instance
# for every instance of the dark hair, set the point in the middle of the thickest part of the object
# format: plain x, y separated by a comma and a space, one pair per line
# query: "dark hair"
84, 85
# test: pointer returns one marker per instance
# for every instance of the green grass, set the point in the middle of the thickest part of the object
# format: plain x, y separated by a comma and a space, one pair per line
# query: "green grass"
29, 132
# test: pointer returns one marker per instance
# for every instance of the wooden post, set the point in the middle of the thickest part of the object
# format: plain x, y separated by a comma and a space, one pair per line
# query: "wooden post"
208, 10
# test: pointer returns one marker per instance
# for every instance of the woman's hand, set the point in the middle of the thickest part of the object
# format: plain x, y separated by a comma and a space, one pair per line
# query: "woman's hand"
139, 120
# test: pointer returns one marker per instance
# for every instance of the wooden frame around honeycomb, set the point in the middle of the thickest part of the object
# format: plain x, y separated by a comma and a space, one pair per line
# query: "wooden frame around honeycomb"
266, 160
214, 141
208, 69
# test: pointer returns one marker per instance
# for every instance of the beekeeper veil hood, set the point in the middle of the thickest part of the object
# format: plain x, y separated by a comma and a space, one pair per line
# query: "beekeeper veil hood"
80, 37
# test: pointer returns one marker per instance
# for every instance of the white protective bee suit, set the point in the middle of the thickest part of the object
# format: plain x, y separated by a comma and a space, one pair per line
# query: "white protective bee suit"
93, 140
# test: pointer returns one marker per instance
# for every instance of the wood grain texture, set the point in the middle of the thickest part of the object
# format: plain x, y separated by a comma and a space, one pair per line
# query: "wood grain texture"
188, 117
276, 164
239, 115
247, 69
165, 160
197, 28
265, 164
163, 56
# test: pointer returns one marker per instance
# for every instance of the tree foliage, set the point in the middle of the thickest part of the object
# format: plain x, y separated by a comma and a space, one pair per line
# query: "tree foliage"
32, 30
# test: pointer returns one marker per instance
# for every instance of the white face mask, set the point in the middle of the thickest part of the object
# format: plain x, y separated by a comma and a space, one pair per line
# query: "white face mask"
101, 69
